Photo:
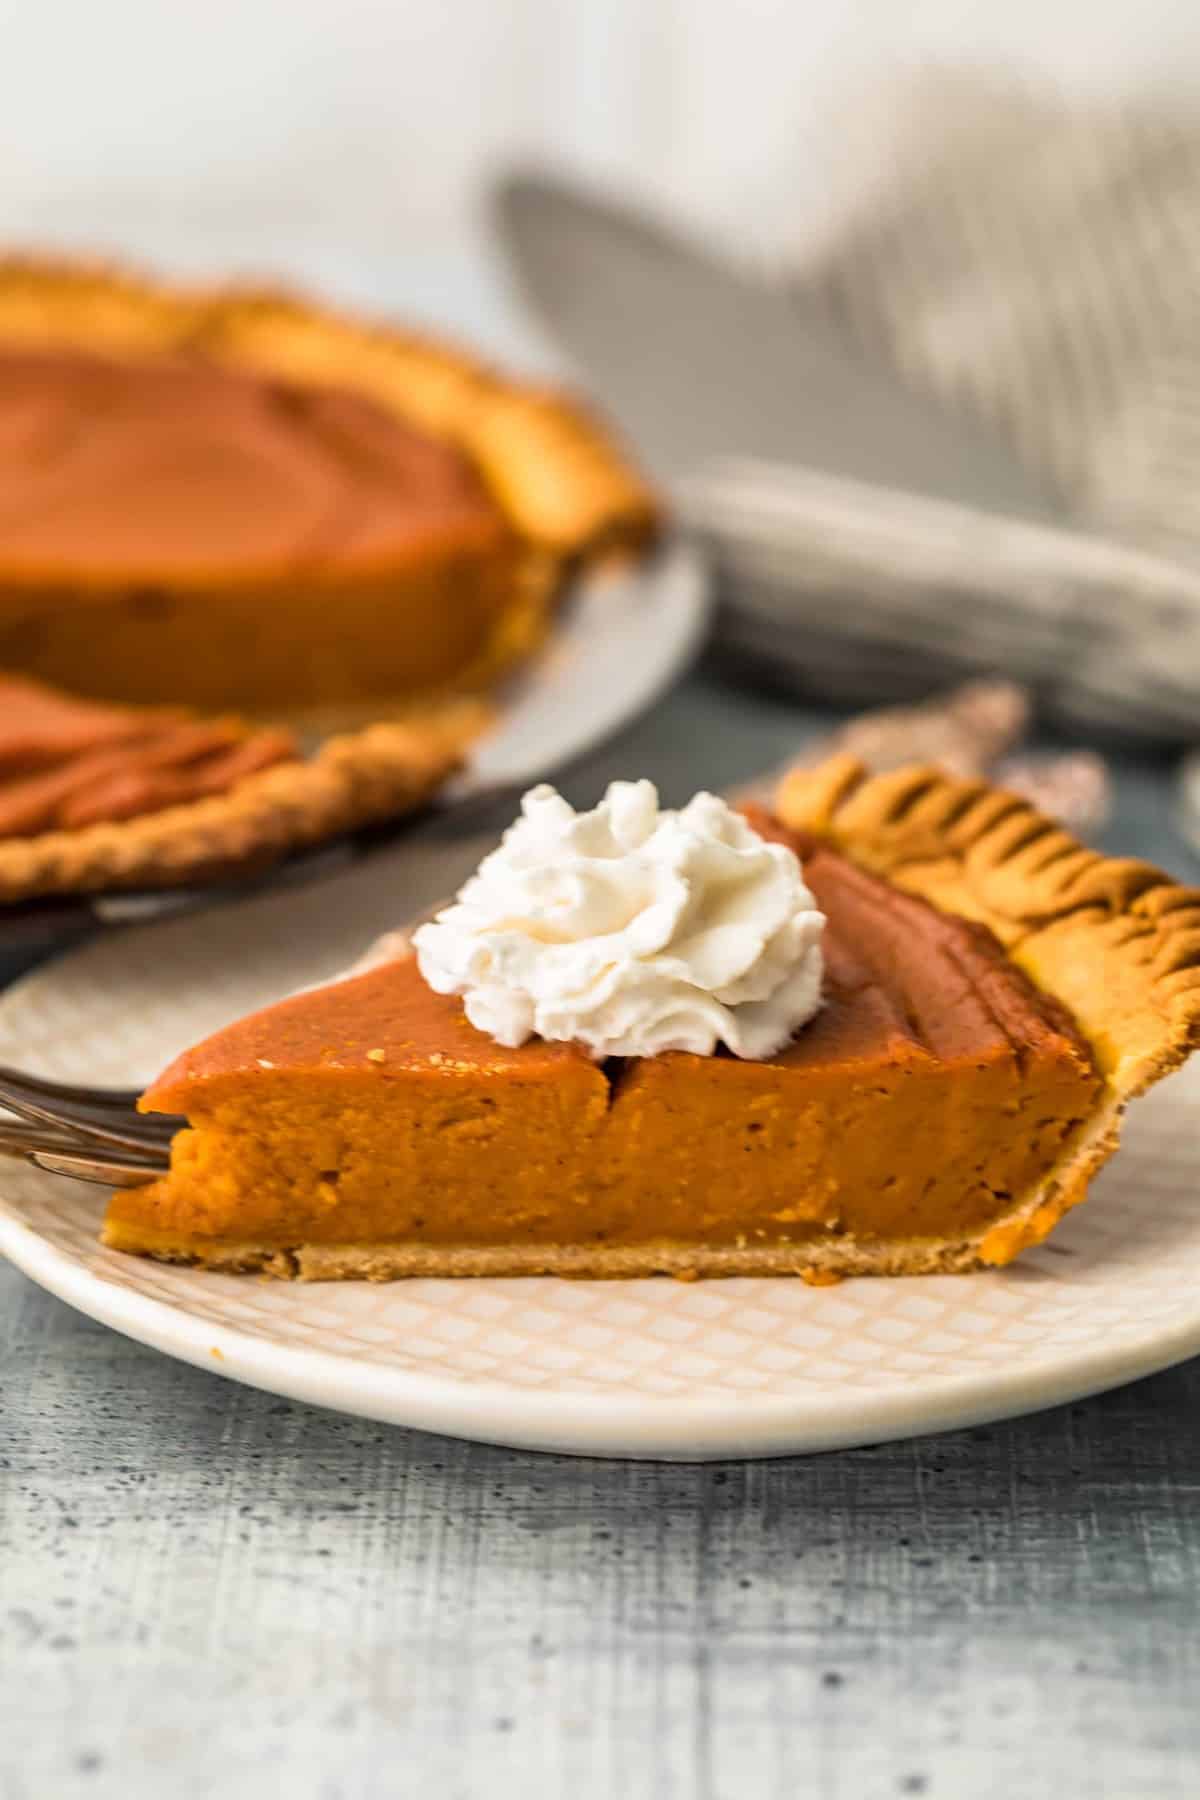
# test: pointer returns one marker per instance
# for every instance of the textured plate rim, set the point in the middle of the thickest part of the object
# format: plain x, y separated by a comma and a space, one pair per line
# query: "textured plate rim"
676, 1429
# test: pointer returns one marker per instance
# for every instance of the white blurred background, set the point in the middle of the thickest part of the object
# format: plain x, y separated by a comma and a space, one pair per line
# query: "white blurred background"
350, 140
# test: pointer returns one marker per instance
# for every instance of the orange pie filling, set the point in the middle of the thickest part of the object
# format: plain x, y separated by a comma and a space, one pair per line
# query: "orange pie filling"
368, 1129
173, 529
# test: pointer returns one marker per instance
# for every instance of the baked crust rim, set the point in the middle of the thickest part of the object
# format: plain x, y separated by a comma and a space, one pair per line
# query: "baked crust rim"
1060, 910
353, 780
1113, 939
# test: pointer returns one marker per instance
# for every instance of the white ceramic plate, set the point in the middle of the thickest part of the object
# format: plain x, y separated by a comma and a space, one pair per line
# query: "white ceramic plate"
643, 1368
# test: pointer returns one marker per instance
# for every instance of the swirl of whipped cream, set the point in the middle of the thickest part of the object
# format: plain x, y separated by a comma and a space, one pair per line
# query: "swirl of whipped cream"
632, 930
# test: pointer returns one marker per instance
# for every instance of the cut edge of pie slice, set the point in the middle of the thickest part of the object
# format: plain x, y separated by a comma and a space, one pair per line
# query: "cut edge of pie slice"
997, 994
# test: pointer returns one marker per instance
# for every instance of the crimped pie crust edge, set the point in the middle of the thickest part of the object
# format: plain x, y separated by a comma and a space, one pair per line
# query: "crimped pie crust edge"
1113, 938
377, 773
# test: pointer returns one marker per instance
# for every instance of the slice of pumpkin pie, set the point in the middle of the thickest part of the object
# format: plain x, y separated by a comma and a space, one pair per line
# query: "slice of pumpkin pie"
889, 1028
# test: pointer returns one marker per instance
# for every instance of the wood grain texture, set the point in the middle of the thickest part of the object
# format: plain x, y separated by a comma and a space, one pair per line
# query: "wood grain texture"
213, 1592
207, 1592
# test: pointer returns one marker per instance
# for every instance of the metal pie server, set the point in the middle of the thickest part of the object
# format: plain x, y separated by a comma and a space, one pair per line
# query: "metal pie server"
868, 543
697, 360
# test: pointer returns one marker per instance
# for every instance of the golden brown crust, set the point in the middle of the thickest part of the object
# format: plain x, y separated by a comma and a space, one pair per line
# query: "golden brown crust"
50, 300
354, 780
558, 475
1114, 940
819, 1262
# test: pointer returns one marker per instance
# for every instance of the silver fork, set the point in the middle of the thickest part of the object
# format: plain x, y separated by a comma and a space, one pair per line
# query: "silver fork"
90, 1134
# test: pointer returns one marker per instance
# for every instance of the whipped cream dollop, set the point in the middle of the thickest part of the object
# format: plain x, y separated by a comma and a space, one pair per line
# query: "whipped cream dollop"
632, 930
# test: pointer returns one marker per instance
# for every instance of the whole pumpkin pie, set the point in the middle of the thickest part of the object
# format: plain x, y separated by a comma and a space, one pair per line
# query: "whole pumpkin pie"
981, 999
247, 500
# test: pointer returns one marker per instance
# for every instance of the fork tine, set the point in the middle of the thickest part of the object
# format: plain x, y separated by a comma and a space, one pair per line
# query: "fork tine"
79, 1126
100, 1120
122, 1099
17, 1137
114, 1107
56, 1153
86, 1168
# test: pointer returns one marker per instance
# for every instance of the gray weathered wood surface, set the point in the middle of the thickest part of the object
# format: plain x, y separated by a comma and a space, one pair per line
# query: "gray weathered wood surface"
210, 1594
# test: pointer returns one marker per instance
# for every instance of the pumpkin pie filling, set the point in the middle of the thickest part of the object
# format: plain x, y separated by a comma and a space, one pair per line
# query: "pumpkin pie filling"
171, 529
368, 1128
236, 498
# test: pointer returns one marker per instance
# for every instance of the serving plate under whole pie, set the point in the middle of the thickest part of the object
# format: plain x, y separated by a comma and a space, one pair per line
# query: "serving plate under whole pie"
654, 1368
